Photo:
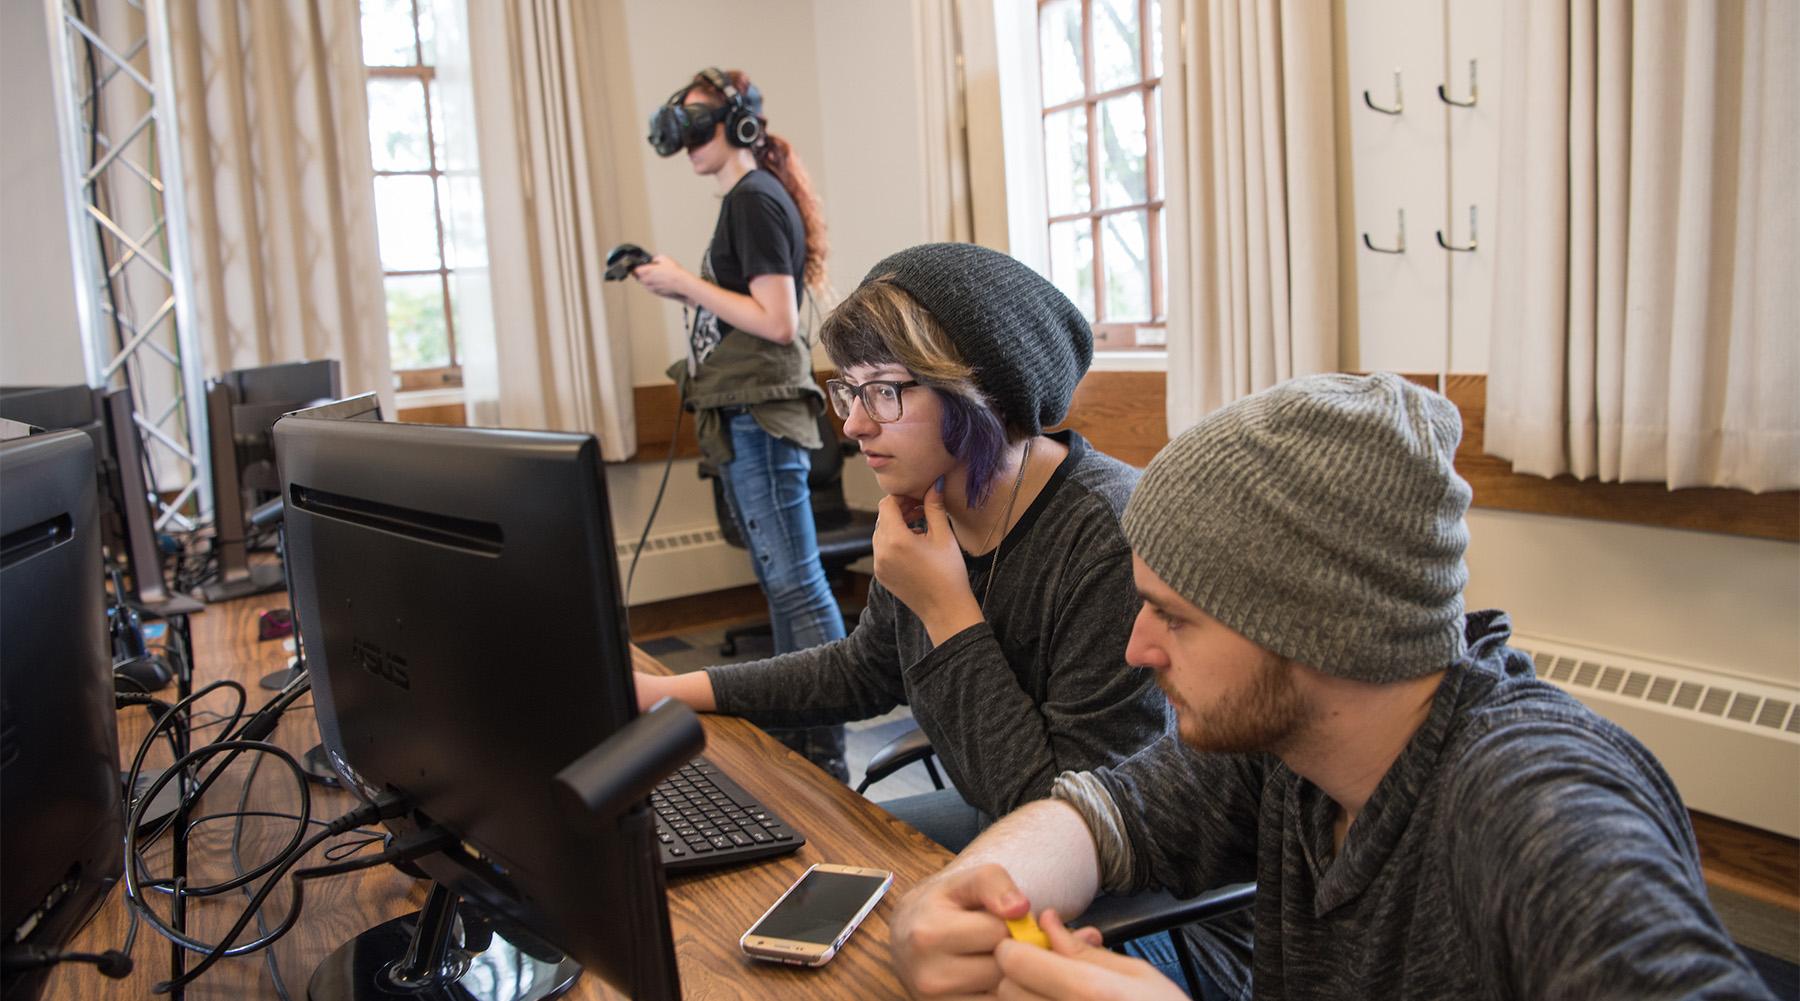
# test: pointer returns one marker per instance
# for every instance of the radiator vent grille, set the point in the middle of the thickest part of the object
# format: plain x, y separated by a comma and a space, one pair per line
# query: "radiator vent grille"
1753, 705
672, 541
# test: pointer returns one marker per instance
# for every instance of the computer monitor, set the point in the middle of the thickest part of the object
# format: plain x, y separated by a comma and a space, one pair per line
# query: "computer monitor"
62, 824
457, 595
58, 408
241, 407
127, 518
318, 759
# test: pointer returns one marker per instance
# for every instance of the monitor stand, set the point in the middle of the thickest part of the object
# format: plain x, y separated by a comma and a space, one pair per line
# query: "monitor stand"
413, 957
276, 681
242, 582
317, 766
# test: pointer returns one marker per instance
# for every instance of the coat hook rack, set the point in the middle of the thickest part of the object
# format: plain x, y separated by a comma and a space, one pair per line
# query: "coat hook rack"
1474, 95
1465, 248
1399, 246
1399, 98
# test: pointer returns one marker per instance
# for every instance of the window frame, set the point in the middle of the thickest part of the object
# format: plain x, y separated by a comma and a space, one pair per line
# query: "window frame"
1113, 335
442, 376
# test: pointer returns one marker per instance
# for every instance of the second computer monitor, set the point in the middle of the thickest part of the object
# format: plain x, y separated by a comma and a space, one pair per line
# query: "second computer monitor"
459, 589
241, 407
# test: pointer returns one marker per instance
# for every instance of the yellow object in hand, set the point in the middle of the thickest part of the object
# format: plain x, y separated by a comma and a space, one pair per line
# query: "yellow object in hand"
1026, 930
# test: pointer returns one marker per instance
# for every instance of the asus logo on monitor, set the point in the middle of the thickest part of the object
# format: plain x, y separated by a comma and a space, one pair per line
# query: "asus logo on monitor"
389, 667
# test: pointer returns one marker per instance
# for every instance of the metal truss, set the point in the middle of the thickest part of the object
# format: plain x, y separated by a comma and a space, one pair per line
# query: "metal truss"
114, 86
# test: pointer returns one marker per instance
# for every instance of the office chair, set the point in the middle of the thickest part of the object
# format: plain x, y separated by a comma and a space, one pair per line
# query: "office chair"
1118, 919
845, 534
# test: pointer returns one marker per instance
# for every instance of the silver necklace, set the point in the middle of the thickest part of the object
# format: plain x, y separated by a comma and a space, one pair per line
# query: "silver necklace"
1005, 517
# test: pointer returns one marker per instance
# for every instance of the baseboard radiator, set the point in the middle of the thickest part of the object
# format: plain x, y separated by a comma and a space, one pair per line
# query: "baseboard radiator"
1732, 745
683, 562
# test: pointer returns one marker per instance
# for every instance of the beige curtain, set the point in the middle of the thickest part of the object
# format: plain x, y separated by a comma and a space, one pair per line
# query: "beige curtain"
544, 354
1646, 292
1251, 157
280, 190
943, 120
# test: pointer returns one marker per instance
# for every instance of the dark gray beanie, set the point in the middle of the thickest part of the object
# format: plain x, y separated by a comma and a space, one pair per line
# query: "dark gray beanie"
1321, 518
1026, 341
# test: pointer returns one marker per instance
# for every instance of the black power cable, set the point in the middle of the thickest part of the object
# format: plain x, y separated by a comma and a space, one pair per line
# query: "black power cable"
656, 505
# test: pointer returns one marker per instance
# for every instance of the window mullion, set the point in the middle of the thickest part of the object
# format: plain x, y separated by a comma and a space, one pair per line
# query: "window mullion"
1093, 157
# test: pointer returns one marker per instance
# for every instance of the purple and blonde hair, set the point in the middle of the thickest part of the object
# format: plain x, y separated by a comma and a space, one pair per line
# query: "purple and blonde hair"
881, 324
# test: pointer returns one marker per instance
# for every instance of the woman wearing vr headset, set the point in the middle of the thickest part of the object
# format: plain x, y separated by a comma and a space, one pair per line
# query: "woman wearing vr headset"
1003, 594
748, 373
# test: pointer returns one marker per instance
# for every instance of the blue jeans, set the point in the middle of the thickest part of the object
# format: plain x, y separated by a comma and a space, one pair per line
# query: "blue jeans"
941, 815
1159, 951
765, 484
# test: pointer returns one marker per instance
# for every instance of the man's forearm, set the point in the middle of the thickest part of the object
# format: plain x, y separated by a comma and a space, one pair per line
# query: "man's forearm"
1047, 849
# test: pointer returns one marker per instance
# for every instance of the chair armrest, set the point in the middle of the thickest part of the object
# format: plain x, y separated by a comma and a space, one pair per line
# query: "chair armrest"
903, 750
1121, 919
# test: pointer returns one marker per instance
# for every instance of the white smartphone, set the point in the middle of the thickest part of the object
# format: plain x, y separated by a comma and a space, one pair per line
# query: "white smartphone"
810, 922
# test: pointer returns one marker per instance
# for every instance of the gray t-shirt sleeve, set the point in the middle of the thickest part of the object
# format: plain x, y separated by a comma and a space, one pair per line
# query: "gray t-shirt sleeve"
1573, 866
849, 679
1105, 824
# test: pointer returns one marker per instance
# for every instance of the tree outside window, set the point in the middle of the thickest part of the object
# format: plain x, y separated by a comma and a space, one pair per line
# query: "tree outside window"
406, 137
1101, 88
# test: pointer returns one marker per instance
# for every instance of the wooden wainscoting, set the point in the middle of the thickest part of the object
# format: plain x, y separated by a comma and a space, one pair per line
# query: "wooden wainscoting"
1120, 412
1123, 414
443, 413
1705, 509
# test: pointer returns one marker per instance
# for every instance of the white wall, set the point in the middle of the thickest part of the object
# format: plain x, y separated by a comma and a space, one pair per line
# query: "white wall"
867, 61
39, 339
1695, 598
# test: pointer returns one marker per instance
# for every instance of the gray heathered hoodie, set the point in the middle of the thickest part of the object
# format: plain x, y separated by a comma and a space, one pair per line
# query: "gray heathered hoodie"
1520, 847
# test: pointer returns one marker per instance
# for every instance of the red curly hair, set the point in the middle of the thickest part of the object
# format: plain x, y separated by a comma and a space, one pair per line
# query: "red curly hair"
776, 155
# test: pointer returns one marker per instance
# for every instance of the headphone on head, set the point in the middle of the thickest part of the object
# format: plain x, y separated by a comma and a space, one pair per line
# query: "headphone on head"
743, 124
676, 126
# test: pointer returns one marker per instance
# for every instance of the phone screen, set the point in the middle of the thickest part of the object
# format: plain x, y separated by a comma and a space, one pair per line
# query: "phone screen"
819, 907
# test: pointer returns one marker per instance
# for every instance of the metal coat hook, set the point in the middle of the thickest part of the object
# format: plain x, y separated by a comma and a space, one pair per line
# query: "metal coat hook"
1399, 246
1466, 247
1473, 93
1399, 98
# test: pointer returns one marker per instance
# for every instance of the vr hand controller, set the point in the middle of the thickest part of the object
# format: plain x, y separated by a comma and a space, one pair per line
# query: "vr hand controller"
623, 259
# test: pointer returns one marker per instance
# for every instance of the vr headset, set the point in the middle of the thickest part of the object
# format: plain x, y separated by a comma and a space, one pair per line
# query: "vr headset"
676, 126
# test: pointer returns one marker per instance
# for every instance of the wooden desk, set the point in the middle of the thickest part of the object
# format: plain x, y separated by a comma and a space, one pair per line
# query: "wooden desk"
708, 912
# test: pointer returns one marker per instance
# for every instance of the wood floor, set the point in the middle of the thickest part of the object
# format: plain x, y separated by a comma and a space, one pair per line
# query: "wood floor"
1756, 863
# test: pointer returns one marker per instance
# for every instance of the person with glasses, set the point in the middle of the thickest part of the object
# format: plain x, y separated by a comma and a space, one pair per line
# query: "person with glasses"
1003, 593
748, 372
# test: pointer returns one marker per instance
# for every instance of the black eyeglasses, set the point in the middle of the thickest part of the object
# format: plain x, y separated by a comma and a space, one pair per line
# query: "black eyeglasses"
880, 397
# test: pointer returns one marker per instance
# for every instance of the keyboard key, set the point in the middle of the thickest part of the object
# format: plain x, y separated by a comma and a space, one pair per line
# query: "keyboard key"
701, 811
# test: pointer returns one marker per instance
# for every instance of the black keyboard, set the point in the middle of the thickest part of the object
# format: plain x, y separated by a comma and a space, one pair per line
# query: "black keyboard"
705, 820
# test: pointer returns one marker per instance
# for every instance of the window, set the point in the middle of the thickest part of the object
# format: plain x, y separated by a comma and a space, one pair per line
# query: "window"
1101, 95
406, 143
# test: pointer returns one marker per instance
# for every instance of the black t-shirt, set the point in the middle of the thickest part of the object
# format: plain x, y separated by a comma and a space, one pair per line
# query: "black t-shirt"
759, 233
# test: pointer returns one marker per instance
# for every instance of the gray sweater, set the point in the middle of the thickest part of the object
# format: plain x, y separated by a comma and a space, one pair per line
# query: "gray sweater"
1041, 686
1521, 847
